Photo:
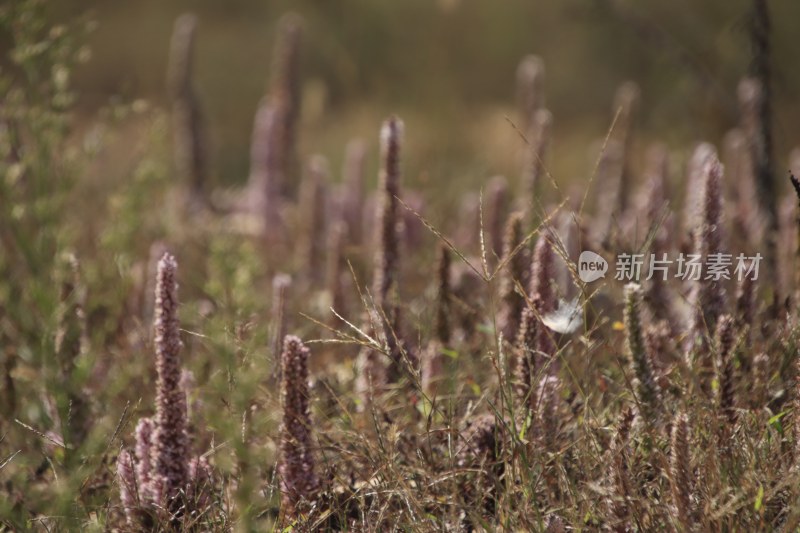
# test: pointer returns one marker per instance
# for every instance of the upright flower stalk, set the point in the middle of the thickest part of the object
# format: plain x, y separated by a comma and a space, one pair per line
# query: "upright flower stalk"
708, 296
161, 483
298, 480
646, 387
187, 120
170, 440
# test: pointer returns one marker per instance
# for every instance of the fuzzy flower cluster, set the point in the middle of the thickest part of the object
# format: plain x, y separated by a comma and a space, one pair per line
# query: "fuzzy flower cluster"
161, 482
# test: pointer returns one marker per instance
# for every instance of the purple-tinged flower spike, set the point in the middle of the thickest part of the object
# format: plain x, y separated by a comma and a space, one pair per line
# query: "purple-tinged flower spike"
530, 89
388, 217
680, 470
654, 213
266, 169
285, 94
144, 464
708, 298
796, 249
187, 120
695, 177
442, 324
748, 219
170, 454
298, 479
479, 441
726, 348
538, 134
647, 392
469, 226
525, 361
607, 184
495, 213
387, 258
516, 271
620, 469
281, 284
754, 108
312, 219
549, 399
337, 235
543, 296
129, 489
745, 313
354, 176
371, 377
787, 248
626, 103
432, 363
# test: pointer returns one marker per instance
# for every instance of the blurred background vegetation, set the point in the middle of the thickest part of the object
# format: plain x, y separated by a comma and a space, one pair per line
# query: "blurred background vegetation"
448, 67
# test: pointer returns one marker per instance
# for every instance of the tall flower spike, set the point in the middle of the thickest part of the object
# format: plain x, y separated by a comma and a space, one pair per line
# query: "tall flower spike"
530, 89
796, 186
495, 209
389, 226
525, 364
337, 233
313, 217
539, 139
187, 120
443, 290
298, 479
515, 271
432, 362
709, 294
610, 169
543, 296
695, 177
144, 451
725, 370
353, 177
759, 128
128, 489
680, 473
170, 454
387, 258
646, 388
626, 103
549, 396
285, 94
266, 168
620, 469
656, 293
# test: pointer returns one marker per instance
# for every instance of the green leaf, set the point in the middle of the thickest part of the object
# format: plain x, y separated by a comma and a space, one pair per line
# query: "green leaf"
450, 353
759, 498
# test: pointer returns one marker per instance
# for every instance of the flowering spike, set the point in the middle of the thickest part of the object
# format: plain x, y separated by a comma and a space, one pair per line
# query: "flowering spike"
515, 271
646, 388
170, 457
542, 293
299, 481
188, 133
680, 473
